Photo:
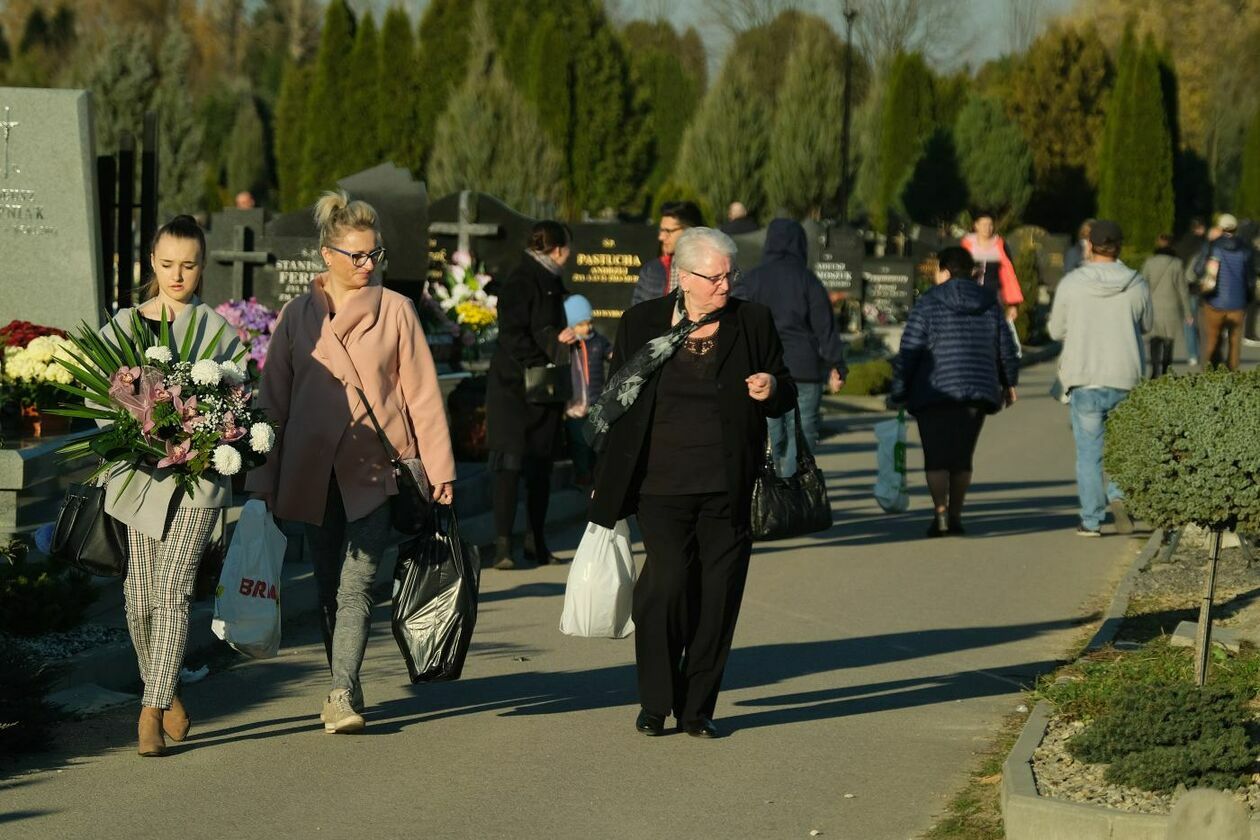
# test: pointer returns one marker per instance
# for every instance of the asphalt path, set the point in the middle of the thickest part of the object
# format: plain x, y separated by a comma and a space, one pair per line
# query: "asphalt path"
870, 665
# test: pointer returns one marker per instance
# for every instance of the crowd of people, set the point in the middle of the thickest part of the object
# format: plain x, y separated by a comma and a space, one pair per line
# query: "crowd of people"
668, 421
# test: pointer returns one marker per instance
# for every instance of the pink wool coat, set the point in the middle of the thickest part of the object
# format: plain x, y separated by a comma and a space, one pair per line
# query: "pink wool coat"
313, 365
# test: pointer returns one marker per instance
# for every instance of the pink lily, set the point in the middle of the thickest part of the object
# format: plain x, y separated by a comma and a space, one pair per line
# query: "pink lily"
178, 453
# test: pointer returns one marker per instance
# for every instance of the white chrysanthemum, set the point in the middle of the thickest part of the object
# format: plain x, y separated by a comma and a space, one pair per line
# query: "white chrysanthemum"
42, 348
56, 373
158, 354
261, 438
206, 372
227, 461
232, 373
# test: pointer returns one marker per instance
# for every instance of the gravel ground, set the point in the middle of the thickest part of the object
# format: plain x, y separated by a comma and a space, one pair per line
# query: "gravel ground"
54, 647
1166, 586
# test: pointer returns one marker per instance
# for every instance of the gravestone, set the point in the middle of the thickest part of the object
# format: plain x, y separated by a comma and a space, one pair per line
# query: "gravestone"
492, 232
836, 256
888, 289
605, 264
50, 238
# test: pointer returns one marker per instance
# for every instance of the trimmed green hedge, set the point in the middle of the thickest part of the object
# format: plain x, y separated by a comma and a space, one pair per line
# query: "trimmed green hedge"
868, 378
1185, 450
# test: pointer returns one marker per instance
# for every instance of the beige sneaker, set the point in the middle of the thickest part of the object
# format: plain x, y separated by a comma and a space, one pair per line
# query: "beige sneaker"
338, 715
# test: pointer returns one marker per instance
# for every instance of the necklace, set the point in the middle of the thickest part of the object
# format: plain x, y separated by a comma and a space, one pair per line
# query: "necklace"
701, 346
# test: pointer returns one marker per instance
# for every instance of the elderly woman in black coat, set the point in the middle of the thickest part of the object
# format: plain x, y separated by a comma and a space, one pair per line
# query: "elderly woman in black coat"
525, 436
682, 428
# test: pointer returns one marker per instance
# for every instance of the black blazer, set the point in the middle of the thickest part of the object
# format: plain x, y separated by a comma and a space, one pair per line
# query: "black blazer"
747, 343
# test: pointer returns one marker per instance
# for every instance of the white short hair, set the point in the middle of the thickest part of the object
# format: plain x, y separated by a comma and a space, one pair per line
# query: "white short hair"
697, 239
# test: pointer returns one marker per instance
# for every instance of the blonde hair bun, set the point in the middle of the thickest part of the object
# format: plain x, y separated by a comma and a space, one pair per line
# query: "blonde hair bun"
336, 214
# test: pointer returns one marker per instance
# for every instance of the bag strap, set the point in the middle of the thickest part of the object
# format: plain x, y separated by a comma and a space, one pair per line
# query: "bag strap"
390, 452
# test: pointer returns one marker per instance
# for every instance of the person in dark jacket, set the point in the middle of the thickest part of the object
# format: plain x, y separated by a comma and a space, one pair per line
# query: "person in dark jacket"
738, 221
655, 279
807, 327
682, 424
523, 436
958, 362
1231, 263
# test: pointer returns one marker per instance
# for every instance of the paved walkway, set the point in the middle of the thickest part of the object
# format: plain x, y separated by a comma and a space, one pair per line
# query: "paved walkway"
870, 664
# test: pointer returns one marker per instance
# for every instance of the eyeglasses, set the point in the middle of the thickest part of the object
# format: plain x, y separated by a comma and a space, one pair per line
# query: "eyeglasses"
714, 279
359, 259
668, 231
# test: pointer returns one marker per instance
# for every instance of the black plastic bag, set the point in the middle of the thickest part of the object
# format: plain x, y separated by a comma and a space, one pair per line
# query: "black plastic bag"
435, 604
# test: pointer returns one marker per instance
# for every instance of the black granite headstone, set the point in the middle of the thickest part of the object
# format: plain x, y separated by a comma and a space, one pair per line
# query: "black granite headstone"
494, 233
888, 289
837, 255
605, 264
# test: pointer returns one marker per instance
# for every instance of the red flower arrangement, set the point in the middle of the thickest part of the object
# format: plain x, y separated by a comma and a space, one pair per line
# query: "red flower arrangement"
20, 333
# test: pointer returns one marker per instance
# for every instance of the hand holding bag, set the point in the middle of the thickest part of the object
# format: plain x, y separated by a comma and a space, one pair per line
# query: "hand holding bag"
411, 508
790, 507
86, 537
600, 590
247, 600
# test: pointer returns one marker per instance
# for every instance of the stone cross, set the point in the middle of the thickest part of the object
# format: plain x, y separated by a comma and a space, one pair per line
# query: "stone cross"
8, 125
238, 257
466, 228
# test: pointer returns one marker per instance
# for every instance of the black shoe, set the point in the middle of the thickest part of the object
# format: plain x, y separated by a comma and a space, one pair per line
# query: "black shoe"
650, 724
956, 527
1083, 531
939, 526
536, 551
503, 553
703, 728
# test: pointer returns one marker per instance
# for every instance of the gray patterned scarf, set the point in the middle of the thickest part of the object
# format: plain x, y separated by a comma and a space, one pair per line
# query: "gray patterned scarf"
623, 389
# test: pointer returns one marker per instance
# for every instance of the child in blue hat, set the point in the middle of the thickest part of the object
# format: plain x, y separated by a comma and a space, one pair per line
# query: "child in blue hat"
591, 355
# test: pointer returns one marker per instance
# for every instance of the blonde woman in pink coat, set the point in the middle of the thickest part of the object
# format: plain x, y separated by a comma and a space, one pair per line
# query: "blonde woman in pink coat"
329, 469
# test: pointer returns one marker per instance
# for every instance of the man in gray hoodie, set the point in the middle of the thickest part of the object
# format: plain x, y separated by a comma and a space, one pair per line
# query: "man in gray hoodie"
1101, 310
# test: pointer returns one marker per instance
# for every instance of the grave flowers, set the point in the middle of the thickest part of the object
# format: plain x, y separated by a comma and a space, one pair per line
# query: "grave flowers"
253, 322
462, 296
29, 375
167, 408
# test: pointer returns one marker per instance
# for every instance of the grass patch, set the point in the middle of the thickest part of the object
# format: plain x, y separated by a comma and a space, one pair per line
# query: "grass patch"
975, 812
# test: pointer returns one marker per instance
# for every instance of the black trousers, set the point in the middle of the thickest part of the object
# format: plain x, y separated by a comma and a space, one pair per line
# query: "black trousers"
686, 601
1161, 356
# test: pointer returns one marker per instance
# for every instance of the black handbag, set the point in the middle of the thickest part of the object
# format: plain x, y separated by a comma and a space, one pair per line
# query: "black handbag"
411, 508
548, 384
86, 537
435, 605
790, 507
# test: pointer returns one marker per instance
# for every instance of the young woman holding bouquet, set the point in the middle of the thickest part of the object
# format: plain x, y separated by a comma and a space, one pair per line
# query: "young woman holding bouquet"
168, 524
329, 469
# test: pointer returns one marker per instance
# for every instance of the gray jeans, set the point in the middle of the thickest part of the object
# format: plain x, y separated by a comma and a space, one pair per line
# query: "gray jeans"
346, 556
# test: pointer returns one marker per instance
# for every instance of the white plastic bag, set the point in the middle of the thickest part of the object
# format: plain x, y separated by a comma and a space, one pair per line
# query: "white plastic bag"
598, 596
247, 600
890, 486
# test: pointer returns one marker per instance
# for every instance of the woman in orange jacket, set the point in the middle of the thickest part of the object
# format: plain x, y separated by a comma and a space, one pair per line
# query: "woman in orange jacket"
993, 258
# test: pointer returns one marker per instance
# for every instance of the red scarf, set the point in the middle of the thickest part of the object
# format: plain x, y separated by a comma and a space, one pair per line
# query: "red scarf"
666, 259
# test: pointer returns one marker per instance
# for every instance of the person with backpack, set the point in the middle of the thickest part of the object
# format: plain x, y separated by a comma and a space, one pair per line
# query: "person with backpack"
1226, 269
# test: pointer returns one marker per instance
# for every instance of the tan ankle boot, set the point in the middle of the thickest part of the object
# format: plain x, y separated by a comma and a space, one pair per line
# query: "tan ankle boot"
151, 741
175, 722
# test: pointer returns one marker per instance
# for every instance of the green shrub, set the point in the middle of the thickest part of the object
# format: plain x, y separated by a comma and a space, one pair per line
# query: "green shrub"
1219, 761
867, 378
1150, 715
39, 596
25, 716
1184, 450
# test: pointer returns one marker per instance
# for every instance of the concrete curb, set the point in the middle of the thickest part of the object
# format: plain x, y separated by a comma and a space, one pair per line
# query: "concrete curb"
1026, 814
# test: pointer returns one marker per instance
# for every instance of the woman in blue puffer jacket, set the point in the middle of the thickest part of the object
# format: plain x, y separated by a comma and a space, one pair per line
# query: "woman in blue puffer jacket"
958, 363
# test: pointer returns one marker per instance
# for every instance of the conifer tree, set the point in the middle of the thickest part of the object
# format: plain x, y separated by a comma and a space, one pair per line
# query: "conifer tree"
725, 146
400, 92
330, 107
441, 65
1137, 175
804, 167
908, 119
246, 159
289, 135
1127, 59
5, 53
1247, 202
489, 139
994, 160
364, 111
122, 80
181, 146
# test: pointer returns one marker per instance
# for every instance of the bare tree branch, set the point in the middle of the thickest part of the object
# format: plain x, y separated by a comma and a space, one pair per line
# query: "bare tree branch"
736, 16
886, 27
1024, 20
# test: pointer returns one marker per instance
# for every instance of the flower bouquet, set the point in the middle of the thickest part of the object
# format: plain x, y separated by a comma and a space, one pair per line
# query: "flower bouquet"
166, 408
253, 322
29, 376
462, 295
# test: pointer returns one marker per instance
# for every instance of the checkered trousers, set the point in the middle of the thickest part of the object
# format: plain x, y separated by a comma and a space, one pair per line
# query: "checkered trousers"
158, 589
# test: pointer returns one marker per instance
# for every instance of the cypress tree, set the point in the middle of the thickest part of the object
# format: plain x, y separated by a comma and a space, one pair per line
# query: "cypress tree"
804, 167
907, 121
1138, 165
290, 132
724, 148
489, 139
5, 53
1247, 203
181, 143
330, 107
441, 64
364, 109
1127, 59
246, 158
122, 80
400, 92
935, 192
547, 79
994, 160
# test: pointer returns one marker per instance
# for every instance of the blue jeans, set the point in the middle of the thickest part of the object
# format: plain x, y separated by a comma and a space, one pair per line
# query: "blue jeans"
783, 435
1090, 407
1192, 329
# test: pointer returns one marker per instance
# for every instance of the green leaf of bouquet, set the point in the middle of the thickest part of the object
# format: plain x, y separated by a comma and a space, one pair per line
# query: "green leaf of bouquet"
185, 349
125, 345
166, 329
86, 372
212, 345
89, 413
100, 350
91, 396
